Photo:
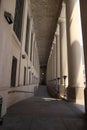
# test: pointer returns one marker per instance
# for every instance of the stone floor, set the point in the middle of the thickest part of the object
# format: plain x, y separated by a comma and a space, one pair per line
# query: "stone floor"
44, 113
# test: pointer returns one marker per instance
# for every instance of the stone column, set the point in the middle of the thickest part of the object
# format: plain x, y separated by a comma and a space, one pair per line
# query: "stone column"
58, 58
48, 69
57, 53
83, 5
47, 73
63, 50
54, 61
63, 55
74, 39
52, 64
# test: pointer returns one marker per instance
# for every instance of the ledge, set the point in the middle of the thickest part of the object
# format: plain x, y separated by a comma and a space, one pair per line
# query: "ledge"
19, 91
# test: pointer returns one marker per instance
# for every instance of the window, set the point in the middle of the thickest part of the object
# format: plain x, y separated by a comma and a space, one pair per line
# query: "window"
31, 47
18, 18
27, 35
24, 75
13, 71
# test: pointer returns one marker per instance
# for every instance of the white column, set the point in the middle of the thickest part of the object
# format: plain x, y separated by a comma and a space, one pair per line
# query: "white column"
63, 50
58, 52
54, 63
58, 57
49, 68
63, 55
74, 38
63, 43
48, 71
83, 5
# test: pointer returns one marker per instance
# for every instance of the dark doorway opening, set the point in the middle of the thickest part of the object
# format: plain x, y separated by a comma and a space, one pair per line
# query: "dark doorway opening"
43, 75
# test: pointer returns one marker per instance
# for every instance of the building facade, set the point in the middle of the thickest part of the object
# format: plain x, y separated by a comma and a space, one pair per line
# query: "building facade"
19, 61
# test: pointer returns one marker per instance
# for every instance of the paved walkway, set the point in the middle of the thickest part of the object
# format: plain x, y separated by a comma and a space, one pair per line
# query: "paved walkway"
44, 113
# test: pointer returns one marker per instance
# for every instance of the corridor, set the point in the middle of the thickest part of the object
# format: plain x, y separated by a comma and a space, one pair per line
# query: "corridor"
41, 112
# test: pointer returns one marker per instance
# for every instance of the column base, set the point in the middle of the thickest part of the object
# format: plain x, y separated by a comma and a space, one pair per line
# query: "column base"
61, 90
75, 94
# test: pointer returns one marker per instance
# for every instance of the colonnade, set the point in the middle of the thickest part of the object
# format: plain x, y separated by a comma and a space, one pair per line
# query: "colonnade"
68, 53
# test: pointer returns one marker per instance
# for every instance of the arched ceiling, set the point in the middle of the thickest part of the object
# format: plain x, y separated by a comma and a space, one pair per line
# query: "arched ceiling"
45, 15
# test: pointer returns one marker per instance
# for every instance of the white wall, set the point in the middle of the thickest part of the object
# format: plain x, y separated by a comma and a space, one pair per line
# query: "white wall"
10, 46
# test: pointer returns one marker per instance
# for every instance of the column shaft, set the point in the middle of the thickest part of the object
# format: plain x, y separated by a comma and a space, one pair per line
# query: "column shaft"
63, 50
55, 61
83, 5
74, 38
58, 55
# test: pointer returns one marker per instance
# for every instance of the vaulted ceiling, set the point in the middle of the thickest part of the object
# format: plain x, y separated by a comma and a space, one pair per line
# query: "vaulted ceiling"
45, 15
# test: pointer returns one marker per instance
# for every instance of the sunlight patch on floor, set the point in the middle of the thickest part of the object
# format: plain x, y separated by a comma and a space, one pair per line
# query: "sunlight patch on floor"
51, 99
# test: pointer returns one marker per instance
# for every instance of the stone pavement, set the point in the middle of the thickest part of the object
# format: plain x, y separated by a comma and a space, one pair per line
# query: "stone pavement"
44, 113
